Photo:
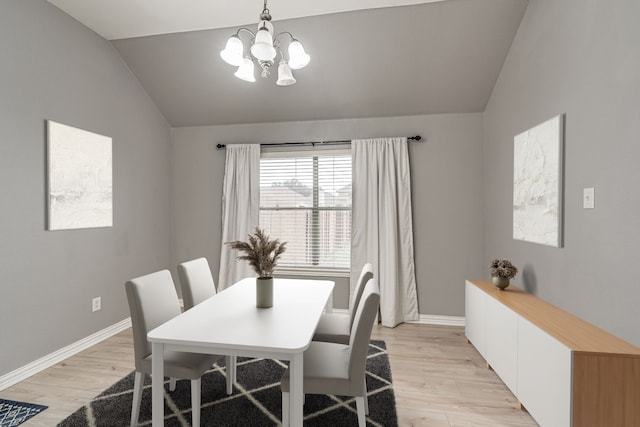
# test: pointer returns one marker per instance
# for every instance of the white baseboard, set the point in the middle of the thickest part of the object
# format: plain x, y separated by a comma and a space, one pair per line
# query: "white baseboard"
49, 360
432, 319
425, 319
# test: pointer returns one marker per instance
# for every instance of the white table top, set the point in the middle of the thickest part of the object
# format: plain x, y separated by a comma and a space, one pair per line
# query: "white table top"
230, 319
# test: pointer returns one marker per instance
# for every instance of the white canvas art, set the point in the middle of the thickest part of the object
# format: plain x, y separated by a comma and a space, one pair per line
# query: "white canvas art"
80, 178
537, 183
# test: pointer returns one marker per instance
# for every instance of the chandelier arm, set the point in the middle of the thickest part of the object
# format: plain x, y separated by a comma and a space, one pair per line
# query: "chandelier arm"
253, 36
276, 45
285, 32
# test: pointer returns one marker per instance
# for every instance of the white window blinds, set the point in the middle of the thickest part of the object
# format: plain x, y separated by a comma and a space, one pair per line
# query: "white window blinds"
305, 200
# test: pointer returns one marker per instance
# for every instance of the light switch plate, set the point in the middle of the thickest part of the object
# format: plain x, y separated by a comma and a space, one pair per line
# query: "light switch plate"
588, 198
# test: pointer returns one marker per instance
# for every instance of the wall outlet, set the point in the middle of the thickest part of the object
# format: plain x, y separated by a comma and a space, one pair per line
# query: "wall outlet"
588, 198
96, 304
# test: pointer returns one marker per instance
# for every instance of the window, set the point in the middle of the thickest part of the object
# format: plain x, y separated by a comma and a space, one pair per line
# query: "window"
305, 200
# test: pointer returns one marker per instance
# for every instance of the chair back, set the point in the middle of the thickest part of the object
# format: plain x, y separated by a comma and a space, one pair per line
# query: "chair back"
152, 301
365, 275
361, 332
196, 282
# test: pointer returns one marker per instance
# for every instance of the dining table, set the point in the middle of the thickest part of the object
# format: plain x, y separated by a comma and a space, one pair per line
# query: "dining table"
229, 323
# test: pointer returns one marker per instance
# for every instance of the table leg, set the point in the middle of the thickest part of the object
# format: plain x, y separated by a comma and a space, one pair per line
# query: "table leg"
296, 392
157, 384
231, 366
234, 368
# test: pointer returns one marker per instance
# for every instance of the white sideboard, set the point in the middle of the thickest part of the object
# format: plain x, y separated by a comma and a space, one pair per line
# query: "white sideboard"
563, 370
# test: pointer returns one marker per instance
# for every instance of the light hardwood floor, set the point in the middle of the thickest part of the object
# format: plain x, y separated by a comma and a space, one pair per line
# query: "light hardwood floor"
439, 380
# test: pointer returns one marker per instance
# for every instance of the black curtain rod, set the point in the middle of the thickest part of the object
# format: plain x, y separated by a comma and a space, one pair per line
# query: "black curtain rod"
346, 141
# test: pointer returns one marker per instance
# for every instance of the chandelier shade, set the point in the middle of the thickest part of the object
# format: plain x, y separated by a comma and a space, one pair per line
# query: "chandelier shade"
285, 76
298, 58
232, 53
245, 71
264, 48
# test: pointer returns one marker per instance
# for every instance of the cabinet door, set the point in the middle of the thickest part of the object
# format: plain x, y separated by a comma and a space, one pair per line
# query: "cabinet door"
475, 325
544, 376
502, 342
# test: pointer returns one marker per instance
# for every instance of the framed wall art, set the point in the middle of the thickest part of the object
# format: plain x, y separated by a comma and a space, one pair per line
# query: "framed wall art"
79, 180
538, 182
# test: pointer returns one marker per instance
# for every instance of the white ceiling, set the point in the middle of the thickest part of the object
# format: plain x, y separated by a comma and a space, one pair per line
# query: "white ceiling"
120, 19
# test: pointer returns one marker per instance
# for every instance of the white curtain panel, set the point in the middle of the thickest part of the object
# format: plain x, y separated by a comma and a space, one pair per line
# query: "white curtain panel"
240, 208
382, 230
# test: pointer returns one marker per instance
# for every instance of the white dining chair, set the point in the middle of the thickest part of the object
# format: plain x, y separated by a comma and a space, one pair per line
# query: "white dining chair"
338, 369
196, 282
153, 301
335, 327
197, 285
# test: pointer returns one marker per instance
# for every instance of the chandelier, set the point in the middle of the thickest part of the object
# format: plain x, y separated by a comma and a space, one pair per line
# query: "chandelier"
264, 49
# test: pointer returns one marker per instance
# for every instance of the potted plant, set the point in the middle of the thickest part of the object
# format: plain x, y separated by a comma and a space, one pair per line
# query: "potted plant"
263, 254
502, 271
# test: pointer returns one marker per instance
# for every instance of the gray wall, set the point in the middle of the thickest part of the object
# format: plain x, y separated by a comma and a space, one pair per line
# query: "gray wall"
447, 193
54, 68
581, 58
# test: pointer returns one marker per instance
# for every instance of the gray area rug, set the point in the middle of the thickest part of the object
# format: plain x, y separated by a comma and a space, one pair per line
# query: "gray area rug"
13, 413
256, 400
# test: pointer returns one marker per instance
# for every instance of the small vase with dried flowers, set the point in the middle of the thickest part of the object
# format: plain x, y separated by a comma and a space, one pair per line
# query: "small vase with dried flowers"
263, 254
501, 272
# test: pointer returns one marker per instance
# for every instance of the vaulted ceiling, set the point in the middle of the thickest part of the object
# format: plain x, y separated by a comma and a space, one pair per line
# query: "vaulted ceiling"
426, 58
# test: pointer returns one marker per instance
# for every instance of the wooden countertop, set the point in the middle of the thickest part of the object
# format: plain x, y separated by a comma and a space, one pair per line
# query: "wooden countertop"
577, 334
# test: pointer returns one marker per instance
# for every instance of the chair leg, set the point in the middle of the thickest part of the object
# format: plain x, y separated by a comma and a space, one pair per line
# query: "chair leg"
172, 384
366, 397
137, 397
285, 409
362, 418
231, 362
195, 402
